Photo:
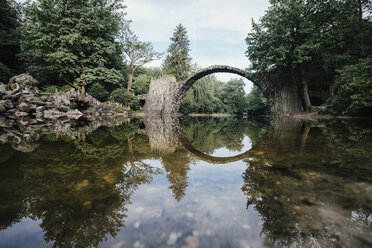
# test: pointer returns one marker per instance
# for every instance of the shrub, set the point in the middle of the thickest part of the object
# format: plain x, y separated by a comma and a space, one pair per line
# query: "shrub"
126, 98
353, 94
99, 92
49, 89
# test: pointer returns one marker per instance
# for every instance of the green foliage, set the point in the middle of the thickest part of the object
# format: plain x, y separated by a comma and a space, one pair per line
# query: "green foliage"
125, 98
177, 62
137, 52
141, 84
303, 43
73, 42
354, 89
257, 103
232, 94
99, 92
50, 89
9, 39
208, 96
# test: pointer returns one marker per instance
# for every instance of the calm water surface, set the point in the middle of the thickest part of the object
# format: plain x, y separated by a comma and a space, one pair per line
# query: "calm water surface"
192, 182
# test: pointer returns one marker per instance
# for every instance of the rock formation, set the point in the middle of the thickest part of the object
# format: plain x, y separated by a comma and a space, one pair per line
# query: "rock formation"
21, 97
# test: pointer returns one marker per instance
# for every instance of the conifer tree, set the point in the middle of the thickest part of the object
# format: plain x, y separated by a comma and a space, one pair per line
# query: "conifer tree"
178, 61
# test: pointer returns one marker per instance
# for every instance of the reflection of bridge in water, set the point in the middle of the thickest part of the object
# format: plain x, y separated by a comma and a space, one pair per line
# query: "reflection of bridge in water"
166, 135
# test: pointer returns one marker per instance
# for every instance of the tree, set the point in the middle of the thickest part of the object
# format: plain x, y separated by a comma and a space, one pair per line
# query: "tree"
178, 61
353, 89
257, 103
300, 44
9, 39
233, 94
284, 40
99, 92
73, 42
137, 52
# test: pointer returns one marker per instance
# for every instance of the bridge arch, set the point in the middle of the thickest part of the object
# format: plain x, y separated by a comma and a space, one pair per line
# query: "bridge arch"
166, 94
187, 83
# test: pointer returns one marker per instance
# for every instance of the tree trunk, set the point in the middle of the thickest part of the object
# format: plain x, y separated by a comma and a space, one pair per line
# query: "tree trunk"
304, 89
130, 77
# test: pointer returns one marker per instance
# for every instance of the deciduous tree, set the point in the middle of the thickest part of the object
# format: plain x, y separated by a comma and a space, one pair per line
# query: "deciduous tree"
138, 53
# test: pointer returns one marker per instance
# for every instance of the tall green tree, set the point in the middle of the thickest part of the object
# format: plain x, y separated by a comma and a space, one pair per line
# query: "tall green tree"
73, 42
302, 43
233, 95
178, 60
9, 39
138, 53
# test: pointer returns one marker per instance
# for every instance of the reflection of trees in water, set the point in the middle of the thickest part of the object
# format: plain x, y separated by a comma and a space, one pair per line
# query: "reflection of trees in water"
210, 134
79, 189
306, 195
12, 205
177, 165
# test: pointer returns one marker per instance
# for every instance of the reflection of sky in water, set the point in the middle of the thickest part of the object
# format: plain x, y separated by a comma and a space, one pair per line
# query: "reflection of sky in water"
212, 214
26, 234
224, 152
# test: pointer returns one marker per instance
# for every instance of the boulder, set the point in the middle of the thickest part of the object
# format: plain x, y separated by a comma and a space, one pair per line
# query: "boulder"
74, 114
21, 81
20, 114
52, 114
63, 108
40, 109
2, 107
11, 111
23, 107
3, 90
9, 104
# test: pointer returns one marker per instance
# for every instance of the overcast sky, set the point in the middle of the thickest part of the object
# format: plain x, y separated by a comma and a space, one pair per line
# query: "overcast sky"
216, 28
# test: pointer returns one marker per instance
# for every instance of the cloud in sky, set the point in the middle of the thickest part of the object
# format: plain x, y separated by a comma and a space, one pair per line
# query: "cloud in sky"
216, 28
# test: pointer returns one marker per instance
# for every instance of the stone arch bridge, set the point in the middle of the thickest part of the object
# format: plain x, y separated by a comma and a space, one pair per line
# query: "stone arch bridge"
166, 94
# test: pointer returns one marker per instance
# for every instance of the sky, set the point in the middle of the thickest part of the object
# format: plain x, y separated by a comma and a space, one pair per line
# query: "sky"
216, 28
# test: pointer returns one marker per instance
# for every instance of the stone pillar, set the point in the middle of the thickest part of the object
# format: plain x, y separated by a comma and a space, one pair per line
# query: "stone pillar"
160, 99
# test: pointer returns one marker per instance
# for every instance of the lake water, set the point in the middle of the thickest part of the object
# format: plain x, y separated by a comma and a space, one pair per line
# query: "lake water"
188, 182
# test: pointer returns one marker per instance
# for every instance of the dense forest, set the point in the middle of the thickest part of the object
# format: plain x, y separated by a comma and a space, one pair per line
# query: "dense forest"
322, 48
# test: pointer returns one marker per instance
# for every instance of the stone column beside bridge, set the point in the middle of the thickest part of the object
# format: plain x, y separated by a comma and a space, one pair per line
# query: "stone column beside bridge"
160, 99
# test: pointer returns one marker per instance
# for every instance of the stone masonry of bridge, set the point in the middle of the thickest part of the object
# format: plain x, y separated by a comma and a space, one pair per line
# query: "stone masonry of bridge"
166, 94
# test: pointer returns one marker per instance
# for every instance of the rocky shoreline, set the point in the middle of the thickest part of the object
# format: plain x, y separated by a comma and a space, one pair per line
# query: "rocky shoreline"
21, 101
25, 113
